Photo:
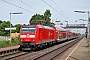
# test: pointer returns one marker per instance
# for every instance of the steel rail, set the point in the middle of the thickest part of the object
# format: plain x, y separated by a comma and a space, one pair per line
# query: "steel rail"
49, 55
35, 56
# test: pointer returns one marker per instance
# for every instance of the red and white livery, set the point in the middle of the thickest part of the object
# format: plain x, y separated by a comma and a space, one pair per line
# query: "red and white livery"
34, 36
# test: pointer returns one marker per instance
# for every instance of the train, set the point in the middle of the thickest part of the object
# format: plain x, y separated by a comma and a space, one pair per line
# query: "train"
37, 36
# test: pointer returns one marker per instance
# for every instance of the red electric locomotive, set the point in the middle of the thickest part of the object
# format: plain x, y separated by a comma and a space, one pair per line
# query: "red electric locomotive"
37, 36
32, 36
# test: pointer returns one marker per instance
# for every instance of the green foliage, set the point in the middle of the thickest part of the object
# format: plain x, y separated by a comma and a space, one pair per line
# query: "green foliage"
47, 16
0, 21
36, 19
17, 28
14, 42
4, 25
89, 19
41, 19
4, 44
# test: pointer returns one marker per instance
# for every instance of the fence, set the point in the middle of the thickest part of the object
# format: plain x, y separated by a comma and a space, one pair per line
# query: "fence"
4, 37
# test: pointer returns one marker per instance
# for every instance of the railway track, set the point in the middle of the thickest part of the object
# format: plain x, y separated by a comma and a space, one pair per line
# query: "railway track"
10, 56
45, 54
53, 53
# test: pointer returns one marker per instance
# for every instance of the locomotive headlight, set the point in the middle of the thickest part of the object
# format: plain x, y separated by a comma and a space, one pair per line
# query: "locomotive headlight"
32, 36
33, 40
22, 36
21, 40
37, 43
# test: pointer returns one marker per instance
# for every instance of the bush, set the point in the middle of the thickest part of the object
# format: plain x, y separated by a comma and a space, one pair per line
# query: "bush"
14, 42
4, 44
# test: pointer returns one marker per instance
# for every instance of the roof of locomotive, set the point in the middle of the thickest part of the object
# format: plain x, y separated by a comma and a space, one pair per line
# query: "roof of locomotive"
40, 26
47, 27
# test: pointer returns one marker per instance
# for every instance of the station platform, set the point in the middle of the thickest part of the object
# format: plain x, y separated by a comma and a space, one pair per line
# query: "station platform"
77, 52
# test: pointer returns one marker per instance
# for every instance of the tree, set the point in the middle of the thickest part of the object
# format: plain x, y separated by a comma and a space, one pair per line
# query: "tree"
47, 16
17, 28
36, 19
6, 24
0, 21
3, 25
42, 19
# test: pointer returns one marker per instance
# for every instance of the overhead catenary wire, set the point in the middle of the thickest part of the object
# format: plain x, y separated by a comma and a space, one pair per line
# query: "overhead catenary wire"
29, 5
55, 9
17, 6
59, 7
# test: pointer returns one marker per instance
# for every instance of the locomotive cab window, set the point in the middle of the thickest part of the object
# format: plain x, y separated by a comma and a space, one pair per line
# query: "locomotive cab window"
28, 28
31, 29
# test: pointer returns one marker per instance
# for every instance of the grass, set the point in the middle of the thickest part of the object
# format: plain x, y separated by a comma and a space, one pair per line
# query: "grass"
7, 43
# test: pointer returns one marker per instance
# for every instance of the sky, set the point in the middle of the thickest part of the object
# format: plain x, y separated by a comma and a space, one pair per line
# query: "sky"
61, 10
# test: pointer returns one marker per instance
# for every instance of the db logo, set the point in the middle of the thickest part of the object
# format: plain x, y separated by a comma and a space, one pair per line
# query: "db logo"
28, 35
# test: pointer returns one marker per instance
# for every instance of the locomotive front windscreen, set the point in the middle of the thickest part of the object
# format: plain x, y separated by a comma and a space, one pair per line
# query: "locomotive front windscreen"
28, 28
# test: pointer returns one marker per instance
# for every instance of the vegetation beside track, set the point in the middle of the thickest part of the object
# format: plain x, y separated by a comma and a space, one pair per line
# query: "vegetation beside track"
89, 48
7, 43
